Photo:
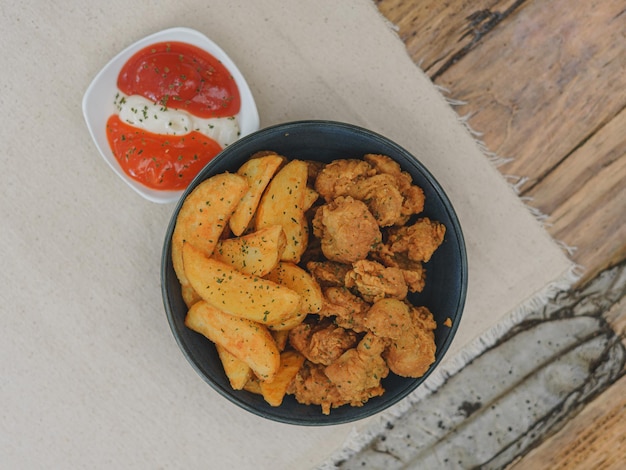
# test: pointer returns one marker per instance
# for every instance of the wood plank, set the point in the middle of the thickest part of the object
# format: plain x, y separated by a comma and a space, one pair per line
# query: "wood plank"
513, 397
600, 152
596, 438
616, 318
543, 81
539, 103
595, 435
437, 34
504, 402
586, 199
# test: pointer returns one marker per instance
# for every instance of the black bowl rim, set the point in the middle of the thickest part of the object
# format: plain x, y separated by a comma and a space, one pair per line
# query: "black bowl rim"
463, 272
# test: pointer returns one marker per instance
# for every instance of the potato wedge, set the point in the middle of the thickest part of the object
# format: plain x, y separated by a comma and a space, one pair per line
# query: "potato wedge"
310, 196
256, 253
273, 392
238, 294
283, 204
297, 279
189, 295
246, 340
258, 172
203, 216
237, 371
280, 337
253, 386
288, 323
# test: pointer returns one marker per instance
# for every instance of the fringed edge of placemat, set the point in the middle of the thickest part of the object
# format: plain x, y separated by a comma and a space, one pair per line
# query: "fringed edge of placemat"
515, 182
359, 438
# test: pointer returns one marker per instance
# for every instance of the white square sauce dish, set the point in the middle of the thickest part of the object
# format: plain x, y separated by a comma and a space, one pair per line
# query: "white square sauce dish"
162, 108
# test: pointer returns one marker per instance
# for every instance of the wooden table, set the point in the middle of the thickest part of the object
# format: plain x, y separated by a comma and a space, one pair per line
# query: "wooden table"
543, 86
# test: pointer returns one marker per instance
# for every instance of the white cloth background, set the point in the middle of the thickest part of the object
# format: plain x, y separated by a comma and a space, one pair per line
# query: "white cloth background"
91, 376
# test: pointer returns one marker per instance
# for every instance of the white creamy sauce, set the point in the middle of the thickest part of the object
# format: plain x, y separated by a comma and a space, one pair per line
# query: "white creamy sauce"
153, 117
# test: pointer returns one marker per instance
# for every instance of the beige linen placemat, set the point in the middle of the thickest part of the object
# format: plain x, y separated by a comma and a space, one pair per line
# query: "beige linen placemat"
91, 375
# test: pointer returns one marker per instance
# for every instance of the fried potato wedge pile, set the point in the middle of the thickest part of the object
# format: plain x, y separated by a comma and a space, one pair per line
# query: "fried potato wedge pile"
255, 265
258, 172
283, 204
256, 253
236, 293
204, 215
228, 245
246, 340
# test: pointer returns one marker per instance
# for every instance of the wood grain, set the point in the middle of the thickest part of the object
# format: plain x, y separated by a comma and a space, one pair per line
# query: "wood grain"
438, 34
540, 80
536, 88
602, 152
586, 199
544, 83
596, 438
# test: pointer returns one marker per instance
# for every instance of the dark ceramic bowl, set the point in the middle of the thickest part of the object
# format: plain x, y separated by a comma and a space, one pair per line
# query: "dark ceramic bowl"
446, 281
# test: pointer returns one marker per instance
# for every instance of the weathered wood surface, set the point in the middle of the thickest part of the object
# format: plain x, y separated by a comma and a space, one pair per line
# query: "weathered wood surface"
585, 198
595, 438
544, 85
509, 401
540, 79
439, 34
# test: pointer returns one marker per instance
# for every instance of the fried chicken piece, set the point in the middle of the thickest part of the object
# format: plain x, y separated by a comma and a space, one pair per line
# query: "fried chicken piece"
389, 318
413, 195
347, 309
353, 378
328, 273
415, 278
336, 177
423, 318
413, 272
311, 386
358, 372
322, 343
383, 164
382, 197
375, 281
418, 241
346, 229
413, 201
378, 181
314, 169
411, 356
411, 333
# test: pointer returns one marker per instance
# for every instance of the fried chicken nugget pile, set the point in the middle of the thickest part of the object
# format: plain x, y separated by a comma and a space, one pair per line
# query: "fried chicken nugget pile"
341, 245
368, 252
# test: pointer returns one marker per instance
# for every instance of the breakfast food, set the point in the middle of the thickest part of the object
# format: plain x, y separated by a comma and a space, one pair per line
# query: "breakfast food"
176, 108
305, 291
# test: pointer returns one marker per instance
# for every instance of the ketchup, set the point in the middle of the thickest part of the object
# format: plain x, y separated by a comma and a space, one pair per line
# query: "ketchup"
159, 161
178, 76
181, 76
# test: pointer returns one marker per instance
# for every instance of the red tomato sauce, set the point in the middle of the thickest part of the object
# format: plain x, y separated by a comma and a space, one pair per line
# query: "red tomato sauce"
163, 162
181, 76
